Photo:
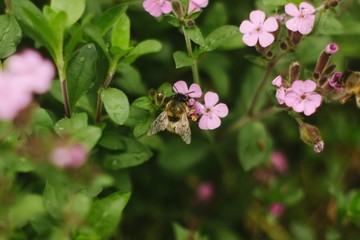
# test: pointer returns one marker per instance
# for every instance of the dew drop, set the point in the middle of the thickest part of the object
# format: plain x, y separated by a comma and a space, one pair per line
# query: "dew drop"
6, 30
82, 59
89, 46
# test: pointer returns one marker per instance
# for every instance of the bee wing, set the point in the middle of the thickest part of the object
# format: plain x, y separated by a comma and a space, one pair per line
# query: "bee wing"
358, 100
182, 128
159, 124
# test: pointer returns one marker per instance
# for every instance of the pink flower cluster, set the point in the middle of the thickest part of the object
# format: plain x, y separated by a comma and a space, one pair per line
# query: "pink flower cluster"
24, 74
158, 7
300, 96
69, 156
210, 112
261, 30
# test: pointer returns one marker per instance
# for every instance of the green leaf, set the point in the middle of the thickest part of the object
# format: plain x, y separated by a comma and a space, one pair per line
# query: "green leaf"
220, 37
105, 213
178, 156
110, 17
144, 103
112, 141
24, 209
195, 35
130, 80
353, 206
68, 125
145, 47
182, 233
36, 26
116, 104
10, 35
81, 72
182, 59
143, 125
94, 34
254, 145
55, 196
120, 36
56, 21
72, 9
135, 153
88, 135
210, 23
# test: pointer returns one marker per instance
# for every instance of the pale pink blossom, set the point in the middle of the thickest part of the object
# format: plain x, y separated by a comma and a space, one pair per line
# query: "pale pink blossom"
197, 5
303, 17
258, 29
281, 91
336, 81
23, 75
157, 7
278, 162
301, 97
276, 209
319, 146
34, 72
205, 191
181, 87
277, 81
211, 111
331, 48
69, 156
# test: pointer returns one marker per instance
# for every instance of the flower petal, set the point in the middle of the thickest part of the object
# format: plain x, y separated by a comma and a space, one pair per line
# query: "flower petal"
270, 24
315, 98
199, 108
277, 81
307, 8
211, 99
309, 86
290, 98
298, 105
166, 7
280, 95
309, 108
266, 39
292, 24
246, 26
298, 87
292, 10
180, 87
306, 25
257, 17
250, 39
220, 110
194, 91
200, 3
209, 122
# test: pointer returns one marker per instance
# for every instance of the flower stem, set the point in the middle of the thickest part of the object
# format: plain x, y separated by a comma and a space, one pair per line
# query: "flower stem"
194, 67
7, 6
105, 85
64, 89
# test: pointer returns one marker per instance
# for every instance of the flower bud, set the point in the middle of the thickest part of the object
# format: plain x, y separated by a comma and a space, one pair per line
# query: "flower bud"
178, 9
69, 156
336, 81
205, 191
331, 48
296, 37
311, 135
283, 46
276, 209
294, 72
190, 23
329, 69
278, 162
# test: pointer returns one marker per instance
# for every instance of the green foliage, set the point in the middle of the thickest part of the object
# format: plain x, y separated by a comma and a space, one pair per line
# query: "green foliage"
10, 35
182, 59
116, 104
254, 145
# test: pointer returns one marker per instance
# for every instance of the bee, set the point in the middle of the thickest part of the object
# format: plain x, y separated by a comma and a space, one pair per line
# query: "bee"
352, 86
174, 117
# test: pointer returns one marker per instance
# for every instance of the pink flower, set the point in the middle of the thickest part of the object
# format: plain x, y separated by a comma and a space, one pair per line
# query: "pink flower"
181, 87
276, 209
277, 81
69, 156
331, 48
211, 112
258, 29
278, 162
32, 70
336, 81
205, 191
319, 146
157, 7
303, 18
13, 98
302, 98
281, 91
197, 5
23, 74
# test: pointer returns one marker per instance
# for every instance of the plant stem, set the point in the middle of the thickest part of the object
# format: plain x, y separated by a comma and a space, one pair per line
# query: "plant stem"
7, 6
64, 89
194, 67
105, 85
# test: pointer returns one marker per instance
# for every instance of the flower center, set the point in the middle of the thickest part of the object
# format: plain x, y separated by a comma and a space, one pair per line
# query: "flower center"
207, 110
258, 29
303, 97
